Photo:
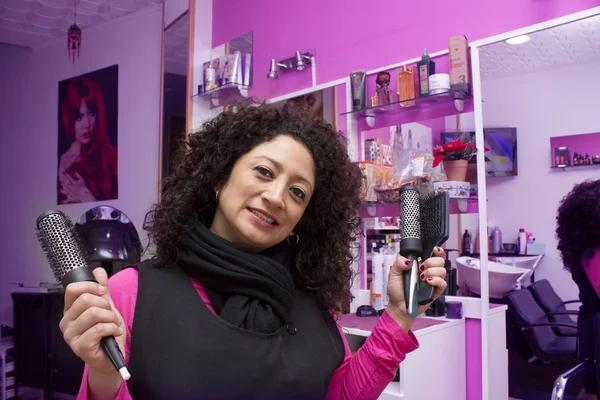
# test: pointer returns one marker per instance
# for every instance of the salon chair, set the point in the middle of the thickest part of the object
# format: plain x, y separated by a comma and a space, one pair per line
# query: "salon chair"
560, 385
554, 306
537, 355
537, 329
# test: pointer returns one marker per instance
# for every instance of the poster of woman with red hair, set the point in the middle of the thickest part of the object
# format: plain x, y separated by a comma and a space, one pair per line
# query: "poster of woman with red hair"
87, 137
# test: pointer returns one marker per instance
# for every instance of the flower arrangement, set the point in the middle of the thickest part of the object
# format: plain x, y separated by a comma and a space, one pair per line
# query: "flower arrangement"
459, 149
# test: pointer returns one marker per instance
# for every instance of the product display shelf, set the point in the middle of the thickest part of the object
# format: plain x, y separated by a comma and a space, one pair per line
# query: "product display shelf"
418, 103
223, 92
566, 167
374, 209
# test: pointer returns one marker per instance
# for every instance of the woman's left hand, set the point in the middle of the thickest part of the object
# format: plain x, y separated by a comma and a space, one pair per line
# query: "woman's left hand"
432, 272
76, 190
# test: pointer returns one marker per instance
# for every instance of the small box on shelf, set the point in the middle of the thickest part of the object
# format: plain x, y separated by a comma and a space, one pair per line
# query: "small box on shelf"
455, 189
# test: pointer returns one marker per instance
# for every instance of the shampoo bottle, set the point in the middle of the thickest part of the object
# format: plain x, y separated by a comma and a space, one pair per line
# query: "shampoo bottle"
522, 241
425, 68
388, 261
496, 240
377, 265
466, 243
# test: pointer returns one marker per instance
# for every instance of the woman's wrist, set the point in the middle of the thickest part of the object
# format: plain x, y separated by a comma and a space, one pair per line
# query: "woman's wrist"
401, 318
102, 386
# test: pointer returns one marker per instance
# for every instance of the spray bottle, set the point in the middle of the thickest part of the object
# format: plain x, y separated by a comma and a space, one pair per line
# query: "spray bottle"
377, 266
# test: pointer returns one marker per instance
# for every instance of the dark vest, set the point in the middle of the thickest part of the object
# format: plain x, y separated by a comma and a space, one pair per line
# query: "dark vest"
181, 350
590, 306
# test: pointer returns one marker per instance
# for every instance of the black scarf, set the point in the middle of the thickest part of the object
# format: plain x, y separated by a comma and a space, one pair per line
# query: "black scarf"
251, 290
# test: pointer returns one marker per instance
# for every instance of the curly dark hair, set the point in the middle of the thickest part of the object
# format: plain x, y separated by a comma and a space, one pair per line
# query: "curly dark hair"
330, 223
578, 224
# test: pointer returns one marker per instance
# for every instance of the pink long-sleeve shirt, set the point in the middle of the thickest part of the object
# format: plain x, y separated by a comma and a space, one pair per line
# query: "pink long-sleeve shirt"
361, 376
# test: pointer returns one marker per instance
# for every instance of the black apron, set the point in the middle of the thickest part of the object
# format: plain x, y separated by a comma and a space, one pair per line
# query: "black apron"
590, 306
181, 350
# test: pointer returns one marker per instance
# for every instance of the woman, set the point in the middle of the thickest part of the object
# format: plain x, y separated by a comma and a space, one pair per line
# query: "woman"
87, 171
578, 233
253, 240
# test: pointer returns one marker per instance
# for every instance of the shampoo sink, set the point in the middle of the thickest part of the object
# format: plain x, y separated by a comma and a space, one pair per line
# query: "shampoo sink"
502, 277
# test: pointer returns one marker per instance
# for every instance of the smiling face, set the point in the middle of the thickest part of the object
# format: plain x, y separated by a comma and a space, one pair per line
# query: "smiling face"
266, 195
85, 122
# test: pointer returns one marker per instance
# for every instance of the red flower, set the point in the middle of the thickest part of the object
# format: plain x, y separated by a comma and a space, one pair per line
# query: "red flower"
448, 148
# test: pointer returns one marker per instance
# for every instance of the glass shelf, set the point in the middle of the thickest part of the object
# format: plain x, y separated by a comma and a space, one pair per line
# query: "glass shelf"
224, 91
375, 209
420, 103
576, 166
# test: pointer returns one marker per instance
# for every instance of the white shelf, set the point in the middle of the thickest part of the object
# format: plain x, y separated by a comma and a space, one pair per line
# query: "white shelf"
392, 391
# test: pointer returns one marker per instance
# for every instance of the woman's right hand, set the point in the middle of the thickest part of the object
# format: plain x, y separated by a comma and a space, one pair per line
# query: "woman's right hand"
90, 315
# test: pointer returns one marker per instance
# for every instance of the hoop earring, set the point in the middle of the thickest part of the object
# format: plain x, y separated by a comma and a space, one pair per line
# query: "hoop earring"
217, 196
297, 239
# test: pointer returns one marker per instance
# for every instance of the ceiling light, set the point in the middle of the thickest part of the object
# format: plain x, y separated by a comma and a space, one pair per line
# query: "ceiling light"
518, 39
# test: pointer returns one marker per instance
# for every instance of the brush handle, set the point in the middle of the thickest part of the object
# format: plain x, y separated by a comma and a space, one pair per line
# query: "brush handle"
426, 293
411, 286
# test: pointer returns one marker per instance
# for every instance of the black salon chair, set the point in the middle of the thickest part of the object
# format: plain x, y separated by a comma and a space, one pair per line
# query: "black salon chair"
554, 306
537, 329
560, 385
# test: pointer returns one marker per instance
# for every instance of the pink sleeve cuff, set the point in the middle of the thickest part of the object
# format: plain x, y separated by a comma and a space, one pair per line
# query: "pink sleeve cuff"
364, 375
389, 342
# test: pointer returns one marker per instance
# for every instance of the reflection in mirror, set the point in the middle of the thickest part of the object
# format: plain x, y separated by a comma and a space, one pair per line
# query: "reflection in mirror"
320, 103
230, 65
174, 89
546, 86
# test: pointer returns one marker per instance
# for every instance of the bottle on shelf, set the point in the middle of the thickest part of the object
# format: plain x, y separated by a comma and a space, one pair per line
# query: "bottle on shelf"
426, 67
496, 240
389, 258
466, 243
522, 241
406, 86
377, 267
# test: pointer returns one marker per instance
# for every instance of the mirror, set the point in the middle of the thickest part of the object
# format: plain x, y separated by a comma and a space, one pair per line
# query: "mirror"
175, 70
229, 68
543, 85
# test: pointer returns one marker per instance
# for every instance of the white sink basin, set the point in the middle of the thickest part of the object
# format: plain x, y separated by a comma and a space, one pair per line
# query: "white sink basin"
502, 277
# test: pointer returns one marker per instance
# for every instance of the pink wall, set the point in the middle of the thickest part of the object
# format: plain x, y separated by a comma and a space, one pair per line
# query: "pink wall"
354, 35
28, 142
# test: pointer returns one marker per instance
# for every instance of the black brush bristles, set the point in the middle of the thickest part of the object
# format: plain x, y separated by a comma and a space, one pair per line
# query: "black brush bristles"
435, 230
435, 221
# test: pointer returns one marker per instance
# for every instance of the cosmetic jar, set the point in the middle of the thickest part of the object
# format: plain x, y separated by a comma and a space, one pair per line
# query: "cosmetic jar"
439, 83
453, 310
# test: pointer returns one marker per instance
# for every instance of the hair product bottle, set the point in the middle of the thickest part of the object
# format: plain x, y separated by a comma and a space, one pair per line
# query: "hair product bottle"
466, 243
522, 241
388, 261
426, 67
377, 266
406, 86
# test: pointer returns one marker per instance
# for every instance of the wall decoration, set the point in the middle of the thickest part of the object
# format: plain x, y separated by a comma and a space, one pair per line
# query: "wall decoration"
87, 137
